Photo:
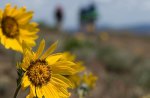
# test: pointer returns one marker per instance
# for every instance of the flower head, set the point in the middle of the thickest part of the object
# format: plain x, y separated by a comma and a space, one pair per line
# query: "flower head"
87, 83
15, 26
44, 73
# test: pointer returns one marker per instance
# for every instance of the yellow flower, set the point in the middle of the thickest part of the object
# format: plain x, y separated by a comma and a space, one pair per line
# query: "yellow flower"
89, 80
44, 73
15, 27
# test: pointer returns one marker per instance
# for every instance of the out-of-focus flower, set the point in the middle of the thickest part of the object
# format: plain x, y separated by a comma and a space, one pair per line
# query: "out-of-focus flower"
15, 27
87, 83
89, 80
44, 73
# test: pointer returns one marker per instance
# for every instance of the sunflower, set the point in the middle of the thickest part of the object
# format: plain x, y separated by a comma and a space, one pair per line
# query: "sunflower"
44, 73
15, 26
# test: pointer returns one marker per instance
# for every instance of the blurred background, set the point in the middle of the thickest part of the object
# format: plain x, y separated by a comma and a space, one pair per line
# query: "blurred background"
111, 37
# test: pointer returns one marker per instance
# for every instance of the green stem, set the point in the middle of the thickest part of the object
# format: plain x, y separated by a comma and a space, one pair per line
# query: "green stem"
17, 90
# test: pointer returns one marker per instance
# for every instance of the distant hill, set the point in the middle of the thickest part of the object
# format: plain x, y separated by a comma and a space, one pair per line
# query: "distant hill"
137, 29
142, 29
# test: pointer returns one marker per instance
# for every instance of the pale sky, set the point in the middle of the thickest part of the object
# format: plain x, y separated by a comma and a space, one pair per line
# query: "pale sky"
115, 13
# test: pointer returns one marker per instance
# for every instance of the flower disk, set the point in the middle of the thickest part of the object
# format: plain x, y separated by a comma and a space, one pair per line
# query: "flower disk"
10, 27
39, 73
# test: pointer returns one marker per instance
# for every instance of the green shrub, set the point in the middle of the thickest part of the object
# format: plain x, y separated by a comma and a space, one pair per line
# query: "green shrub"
115, 60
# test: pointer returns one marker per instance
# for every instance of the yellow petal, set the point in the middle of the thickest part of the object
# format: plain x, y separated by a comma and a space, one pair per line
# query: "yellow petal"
1, 13
64, 92
39, 92
6, 10
19, 12
64, 68
25, 47
12, 11
49, 50
61, 81
40, 49
52, 59
25, 18
1, 33
25, 82
26, 33
11, 43
32, 92
28, 56
50, 91
30, 27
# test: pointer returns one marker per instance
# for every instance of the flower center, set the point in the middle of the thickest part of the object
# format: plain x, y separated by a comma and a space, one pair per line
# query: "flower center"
10, 27
39, 72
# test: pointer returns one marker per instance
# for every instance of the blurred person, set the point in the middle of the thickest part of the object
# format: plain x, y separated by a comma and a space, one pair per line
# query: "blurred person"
92, 13
88, 16
59, 17
92, 17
